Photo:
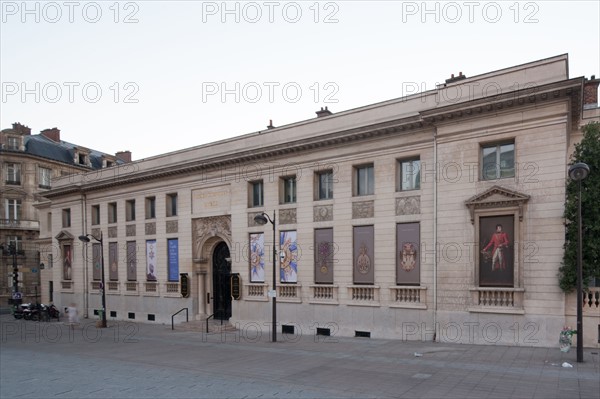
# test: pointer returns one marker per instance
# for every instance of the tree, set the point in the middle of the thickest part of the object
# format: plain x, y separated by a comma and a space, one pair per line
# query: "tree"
588, 151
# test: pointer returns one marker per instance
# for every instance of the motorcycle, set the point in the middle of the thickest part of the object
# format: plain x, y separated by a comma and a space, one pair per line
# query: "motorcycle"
31, 311
49, 312
18, 311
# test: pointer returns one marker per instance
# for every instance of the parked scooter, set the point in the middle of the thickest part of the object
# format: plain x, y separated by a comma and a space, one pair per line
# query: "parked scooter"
49, 312
31, 311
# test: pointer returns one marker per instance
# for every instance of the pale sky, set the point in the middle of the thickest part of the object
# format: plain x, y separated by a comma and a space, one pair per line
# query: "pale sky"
158, 76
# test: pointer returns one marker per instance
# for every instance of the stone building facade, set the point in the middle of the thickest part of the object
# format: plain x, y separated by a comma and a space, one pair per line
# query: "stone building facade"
29, 164
434, 216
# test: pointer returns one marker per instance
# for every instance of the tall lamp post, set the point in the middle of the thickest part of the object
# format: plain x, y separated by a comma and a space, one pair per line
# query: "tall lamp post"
86, 238
262, 219
577, 173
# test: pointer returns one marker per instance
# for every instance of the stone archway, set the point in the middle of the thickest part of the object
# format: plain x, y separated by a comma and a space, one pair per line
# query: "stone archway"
207, 234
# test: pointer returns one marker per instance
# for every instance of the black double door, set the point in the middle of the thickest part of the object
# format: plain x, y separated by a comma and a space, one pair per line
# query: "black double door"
221, 282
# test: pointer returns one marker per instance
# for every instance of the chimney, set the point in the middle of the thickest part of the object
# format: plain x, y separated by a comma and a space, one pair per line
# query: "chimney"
323, 112
53, 134
457, 78
590, 93
270, 124
124, 156
21, 129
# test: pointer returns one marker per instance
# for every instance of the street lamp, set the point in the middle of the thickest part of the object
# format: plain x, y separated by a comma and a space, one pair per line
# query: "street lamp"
262, 219
86, 238
577, 173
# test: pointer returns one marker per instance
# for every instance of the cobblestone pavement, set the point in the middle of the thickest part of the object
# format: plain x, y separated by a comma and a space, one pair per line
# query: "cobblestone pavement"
135, 360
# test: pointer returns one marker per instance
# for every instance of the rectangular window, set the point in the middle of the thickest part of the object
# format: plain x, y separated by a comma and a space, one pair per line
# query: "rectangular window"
66, 217
112, 212
289, 189
130, 210
13, 209
365, 180
498, 161
172, 205
410, 174
325, 185
13, 143
150, 207
45, 177
49, 221
256, 194
95, 214
13, 173
16, 241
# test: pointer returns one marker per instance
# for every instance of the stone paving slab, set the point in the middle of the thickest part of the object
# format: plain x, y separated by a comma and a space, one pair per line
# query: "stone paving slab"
135, 360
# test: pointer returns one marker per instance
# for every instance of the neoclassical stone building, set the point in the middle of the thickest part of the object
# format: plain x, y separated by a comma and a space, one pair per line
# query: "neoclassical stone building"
432, 216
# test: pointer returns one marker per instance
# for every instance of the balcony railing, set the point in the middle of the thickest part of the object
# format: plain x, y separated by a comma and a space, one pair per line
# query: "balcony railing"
19, 224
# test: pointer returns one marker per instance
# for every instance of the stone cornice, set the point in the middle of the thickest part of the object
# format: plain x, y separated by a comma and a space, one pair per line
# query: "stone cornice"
424, 119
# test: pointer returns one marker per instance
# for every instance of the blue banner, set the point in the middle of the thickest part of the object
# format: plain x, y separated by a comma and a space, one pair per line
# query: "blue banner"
173, 245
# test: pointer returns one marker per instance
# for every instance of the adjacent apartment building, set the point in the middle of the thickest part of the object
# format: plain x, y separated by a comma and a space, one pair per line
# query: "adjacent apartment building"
437, 216
29, 164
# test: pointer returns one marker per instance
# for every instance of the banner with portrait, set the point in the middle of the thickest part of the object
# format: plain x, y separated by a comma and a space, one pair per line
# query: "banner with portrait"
496, 257
257, 257
363, 251
151, 260
408, 266
288, 257
67, 262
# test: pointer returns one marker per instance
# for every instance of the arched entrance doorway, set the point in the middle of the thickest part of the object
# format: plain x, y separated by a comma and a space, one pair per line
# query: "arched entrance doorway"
221, 272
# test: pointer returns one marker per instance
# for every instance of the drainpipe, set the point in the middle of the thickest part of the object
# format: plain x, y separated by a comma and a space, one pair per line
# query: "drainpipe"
435, 237
85, 254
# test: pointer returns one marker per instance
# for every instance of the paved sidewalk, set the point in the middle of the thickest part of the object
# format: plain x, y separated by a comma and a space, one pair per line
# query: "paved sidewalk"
135, 360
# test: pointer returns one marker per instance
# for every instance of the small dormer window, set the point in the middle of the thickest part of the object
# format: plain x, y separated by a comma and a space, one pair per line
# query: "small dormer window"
82, 159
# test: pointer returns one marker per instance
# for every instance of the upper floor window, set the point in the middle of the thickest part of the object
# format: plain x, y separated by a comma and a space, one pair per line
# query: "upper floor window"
13, 143
150, 207
112, 212
15, 241
66, 217
256, 193
130, 210
45, 177
172, 204
289, 189
82, 159
95, 214
498, 161
410, 174
13, 209
13, 173
365, 180
325, 185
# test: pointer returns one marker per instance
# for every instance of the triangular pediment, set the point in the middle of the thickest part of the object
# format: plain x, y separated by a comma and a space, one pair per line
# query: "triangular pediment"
497, 197
65, 236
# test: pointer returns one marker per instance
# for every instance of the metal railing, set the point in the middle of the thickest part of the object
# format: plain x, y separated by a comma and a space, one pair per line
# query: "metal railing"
187, 319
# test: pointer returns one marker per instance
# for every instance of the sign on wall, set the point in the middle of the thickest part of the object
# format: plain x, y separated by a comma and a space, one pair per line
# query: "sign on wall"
113, 261
408, 266
257, 257
496, 259
323, 251
96, 262
288, 256
173, 247
131, 261
151, 260
363, 250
